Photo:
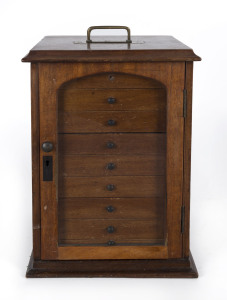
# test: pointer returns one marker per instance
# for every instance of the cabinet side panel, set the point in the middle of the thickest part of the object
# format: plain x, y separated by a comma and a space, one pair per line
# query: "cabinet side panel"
35, 159
187, 157
175, 128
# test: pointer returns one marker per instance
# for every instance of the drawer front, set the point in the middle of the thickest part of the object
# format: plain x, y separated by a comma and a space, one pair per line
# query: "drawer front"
111, 208
111, 165
106, 143
112, 186
112, 80
76, 100
92, 231
127, 121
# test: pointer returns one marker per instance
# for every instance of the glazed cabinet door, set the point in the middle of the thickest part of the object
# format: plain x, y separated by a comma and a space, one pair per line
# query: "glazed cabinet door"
111, 160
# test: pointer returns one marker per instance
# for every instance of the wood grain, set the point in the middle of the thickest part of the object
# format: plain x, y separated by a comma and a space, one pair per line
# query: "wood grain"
113, 80
146, 143
123, 208
133, 268
102, 242
124, 186
48, 189
36, 214
170, 75
174, 171
143, 48
94, 231
162, 63
127, 121
124, 165
115, 252
77, 99
187, 158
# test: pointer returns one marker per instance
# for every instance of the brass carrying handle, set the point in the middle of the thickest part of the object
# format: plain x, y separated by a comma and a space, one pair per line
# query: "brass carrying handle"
108, 27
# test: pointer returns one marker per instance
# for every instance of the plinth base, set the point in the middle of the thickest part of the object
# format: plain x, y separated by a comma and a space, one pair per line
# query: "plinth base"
158, 268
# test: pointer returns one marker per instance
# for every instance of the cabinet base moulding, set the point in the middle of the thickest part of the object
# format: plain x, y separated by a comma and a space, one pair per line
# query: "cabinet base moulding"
143, 268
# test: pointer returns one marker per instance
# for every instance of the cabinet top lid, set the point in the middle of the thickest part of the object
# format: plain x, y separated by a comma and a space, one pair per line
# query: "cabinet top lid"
141, 49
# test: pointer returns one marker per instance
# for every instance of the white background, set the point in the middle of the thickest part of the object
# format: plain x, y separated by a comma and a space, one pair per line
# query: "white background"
200, 24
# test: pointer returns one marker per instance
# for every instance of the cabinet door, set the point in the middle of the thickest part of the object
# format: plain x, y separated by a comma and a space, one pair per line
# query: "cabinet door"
111, 160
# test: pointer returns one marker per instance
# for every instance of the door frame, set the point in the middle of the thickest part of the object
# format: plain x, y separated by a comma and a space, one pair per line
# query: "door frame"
51, 77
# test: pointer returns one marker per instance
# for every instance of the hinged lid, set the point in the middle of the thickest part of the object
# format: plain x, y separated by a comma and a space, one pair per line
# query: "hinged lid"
110, 49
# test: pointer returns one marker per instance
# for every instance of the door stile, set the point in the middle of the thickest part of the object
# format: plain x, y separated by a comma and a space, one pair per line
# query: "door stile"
48, 189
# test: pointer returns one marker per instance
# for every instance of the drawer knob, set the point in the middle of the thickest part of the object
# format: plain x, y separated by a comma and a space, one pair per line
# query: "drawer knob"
111, 243
47, 146
110, 187
110, 229
111, 100
110, 145
110, 166
110, 208
111, 122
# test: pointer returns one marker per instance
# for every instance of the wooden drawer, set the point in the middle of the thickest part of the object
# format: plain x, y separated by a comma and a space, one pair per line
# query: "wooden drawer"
111, 165
111, 208
127, 121
93, 231
108, 80
121, 143
120, 186
76, 100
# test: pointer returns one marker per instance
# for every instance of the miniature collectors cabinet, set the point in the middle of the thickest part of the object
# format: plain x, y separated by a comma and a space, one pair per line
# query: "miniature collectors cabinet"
111, 147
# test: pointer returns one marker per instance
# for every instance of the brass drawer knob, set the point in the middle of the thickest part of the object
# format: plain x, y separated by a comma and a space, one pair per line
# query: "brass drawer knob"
110, 208
111, 122
110, 166
111, 100
110, 229
111, 243
110, 145
110, 187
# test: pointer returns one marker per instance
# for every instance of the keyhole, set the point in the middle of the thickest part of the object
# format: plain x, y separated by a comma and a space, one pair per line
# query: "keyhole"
47, 168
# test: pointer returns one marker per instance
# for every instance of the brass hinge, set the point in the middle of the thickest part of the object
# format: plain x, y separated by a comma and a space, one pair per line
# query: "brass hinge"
184, 103
182, 218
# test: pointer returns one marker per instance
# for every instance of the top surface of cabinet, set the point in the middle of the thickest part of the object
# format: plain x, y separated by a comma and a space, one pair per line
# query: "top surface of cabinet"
142, 48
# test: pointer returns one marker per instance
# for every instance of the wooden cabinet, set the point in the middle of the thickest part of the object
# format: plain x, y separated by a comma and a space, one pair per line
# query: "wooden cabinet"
111, 140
